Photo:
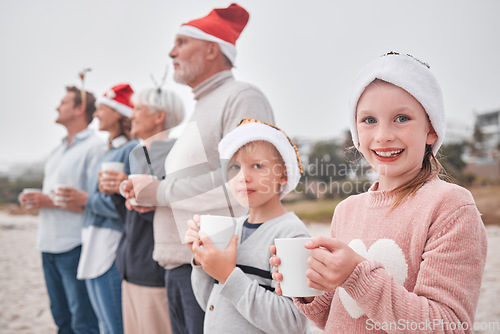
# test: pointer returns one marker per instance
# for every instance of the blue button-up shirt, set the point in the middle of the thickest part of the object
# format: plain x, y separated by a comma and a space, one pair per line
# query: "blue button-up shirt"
59, 230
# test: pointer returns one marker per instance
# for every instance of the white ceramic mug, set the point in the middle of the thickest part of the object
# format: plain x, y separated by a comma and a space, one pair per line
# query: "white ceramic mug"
220, 229
59, 200
293, 256
27, 191
120, 187
113, 165
133, 201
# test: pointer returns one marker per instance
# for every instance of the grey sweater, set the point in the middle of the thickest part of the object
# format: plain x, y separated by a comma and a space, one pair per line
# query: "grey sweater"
247, 303
193, 181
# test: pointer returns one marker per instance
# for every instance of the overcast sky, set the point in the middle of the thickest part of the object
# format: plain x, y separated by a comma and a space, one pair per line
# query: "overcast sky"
302, 55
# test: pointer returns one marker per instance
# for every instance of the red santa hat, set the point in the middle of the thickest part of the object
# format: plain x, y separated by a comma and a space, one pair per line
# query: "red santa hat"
221, 25
118, 98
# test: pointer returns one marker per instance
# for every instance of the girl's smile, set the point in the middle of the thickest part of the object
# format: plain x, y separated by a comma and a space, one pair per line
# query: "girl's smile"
393, 130
388, 154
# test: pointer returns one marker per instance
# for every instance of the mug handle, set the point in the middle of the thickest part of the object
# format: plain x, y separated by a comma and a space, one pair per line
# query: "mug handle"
122, 184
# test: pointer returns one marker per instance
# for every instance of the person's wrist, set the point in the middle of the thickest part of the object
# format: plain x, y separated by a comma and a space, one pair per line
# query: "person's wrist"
46, 202
359, 259
225, 275
83, 200
305, 300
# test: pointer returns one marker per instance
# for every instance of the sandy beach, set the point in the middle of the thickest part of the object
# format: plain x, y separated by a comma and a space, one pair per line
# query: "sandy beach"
24, 305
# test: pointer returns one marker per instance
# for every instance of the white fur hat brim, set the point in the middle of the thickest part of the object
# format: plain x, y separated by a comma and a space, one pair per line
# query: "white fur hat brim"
250, 132
228, 49
121, 108
411, 75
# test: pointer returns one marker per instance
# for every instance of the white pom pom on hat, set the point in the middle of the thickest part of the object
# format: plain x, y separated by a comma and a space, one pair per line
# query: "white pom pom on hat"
251, 130
410, 74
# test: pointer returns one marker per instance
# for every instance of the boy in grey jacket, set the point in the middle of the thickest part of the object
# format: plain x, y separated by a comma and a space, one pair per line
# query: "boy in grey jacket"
234, 286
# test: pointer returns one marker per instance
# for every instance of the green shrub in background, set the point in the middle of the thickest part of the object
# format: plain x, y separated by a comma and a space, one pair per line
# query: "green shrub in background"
11, 188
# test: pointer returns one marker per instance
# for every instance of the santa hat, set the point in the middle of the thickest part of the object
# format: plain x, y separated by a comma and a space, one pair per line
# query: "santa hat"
250, 130
118, 98
221, 25
413, 76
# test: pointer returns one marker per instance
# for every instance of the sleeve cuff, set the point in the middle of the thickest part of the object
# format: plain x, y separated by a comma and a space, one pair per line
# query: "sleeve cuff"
198, 273
161, 193
236, 283
359, 283
195, 265
318, 305
90, 203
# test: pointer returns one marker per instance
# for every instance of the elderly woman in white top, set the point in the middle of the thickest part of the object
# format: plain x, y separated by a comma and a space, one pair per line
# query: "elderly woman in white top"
145, 305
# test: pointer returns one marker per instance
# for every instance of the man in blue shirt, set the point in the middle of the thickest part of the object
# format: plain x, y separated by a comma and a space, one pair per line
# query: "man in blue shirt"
59, 230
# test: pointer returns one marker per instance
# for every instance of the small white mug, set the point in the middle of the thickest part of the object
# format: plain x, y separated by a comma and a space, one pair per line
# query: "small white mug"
133, 201
293, 256
220, 229
27, 191
113, 165
59, 200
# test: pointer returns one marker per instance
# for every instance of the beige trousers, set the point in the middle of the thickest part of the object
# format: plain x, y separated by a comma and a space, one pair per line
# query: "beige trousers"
145, 309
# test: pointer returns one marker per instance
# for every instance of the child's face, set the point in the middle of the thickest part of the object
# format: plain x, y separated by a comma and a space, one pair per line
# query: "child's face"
256, 173
393, 129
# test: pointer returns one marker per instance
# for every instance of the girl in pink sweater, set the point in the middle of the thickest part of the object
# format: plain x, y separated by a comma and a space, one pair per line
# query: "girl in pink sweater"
408, 255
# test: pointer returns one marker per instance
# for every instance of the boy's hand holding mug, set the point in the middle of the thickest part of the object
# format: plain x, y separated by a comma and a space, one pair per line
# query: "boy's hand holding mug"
216, 262
192, 234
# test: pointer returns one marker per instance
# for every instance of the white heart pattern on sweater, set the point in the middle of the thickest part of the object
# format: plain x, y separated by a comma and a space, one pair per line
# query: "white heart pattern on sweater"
385, 251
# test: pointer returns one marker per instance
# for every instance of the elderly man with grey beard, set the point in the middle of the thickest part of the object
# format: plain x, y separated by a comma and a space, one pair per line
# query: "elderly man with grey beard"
203, 56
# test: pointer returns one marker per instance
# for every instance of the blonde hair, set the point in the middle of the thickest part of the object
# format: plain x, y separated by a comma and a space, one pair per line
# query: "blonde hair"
430, 168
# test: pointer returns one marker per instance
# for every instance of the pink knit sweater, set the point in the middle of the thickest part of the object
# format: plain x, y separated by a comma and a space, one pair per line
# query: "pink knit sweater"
424, 268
